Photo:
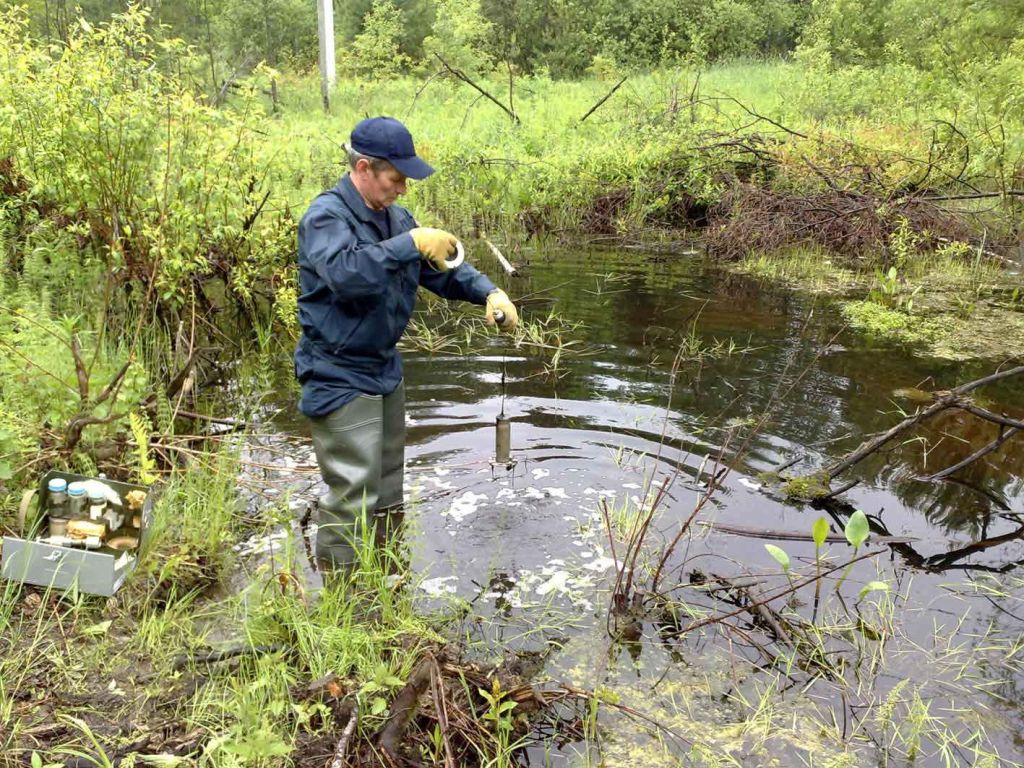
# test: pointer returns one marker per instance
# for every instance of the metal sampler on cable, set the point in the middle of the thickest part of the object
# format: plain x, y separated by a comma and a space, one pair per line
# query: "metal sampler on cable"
502, 423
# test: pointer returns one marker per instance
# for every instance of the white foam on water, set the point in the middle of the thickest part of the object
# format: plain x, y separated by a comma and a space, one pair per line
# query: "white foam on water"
558, 582
464, 506
440, 585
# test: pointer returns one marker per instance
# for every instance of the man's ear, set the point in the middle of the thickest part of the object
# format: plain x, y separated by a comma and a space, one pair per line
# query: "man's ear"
363, 165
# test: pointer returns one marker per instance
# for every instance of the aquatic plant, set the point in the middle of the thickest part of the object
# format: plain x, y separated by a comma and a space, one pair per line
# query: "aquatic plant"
806, 487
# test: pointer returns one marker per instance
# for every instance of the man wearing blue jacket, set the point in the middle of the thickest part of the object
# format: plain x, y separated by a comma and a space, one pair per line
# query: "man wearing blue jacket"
361, 259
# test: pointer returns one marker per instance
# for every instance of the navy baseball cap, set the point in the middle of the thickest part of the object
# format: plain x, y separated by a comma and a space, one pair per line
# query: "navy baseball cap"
388, 139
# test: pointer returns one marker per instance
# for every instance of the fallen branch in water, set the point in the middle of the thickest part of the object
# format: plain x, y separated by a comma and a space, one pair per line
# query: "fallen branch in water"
955, 398
793, 587
771, 534
589, 696
1004, 435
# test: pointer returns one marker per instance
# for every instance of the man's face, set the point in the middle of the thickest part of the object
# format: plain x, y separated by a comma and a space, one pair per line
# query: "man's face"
378, 188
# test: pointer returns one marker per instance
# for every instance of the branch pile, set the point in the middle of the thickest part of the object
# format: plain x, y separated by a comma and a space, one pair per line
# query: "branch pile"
848, 223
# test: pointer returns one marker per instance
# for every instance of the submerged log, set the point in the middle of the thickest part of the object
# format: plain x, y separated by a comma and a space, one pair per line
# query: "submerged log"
774, 535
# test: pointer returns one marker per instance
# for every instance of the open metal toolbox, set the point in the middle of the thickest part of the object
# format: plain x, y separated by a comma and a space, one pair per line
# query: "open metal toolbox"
94, 571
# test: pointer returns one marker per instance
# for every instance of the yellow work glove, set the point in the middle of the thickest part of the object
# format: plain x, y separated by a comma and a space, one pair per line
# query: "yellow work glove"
434, 245
498, 301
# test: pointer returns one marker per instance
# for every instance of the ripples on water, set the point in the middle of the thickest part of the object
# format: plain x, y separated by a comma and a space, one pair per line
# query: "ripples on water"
527, 549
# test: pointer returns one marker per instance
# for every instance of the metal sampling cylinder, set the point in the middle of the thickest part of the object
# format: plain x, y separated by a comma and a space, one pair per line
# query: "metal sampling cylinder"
502, 439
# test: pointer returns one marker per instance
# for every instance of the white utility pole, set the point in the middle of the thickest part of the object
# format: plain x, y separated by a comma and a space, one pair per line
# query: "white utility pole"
325, 30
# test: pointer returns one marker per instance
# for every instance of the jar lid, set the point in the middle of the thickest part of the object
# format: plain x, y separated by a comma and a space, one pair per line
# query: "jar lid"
76, 488
57, 485
97, 494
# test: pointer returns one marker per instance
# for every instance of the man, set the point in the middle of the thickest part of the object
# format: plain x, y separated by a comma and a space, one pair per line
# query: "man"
361, 259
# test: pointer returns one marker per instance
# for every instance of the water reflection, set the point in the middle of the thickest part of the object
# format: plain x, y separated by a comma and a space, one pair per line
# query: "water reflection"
821, 396
527, 547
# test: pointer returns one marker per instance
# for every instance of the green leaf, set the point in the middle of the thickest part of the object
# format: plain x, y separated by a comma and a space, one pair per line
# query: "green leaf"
819, 531
98, 629
779, 554
857, 528
873, 586
6, 473
378, 705
261, 743
37, 761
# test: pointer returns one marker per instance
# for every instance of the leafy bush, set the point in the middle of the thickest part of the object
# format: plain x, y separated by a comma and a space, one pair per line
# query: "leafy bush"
460, 35
375, 54
102, 139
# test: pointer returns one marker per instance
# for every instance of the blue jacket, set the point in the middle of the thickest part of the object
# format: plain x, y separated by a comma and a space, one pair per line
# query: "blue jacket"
357, 291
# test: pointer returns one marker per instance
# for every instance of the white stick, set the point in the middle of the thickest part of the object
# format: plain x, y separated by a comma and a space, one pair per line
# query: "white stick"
339, 753
501, 259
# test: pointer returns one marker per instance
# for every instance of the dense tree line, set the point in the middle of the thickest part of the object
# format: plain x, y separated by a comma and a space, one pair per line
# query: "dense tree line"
569, 38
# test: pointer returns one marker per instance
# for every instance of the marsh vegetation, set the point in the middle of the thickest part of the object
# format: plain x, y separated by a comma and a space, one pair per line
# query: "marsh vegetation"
772, 240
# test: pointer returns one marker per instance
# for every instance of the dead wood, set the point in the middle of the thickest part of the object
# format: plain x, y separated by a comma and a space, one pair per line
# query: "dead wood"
505, 263
841, 489
231, 81
588, 696
955, 398
603, 99
844, 221
975, 196
793, 587
948, 560
761, 117
773, 535
235, 424
404, 709
760, 610
441, 708
995, 418
185, 661
460, 75
943, 561
341, 751
1004, 435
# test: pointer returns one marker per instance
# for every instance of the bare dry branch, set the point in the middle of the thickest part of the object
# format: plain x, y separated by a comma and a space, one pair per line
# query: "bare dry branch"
459, 74
603, 99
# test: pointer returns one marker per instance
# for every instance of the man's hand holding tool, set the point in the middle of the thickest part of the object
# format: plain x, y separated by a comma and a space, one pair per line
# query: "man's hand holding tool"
501, 310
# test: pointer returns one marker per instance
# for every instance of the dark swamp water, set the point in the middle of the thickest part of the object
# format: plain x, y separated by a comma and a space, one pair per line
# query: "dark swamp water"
926, 672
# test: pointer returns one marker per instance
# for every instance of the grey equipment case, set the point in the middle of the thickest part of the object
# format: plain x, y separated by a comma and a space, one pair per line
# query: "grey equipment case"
99, 571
